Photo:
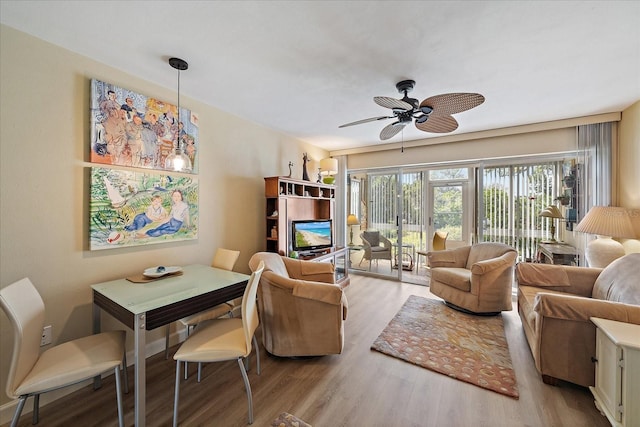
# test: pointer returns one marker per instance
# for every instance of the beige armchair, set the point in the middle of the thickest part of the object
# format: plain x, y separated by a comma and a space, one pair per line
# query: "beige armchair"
375, 246
556, 303
302, 311
476, 279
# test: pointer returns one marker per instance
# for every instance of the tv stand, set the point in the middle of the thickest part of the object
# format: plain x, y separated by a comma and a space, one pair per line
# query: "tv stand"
289, 199
313, 254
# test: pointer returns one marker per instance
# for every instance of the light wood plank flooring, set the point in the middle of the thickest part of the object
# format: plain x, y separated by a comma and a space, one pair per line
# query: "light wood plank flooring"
360, 387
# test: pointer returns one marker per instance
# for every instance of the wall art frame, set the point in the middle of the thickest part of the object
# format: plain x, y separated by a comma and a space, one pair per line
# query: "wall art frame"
133, 208
134, 130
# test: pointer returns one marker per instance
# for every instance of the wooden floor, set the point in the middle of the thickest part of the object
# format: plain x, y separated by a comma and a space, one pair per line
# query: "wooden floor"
360, 387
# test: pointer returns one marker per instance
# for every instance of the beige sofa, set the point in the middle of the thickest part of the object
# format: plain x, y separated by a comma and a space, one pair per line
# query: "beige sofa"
477, 278
556, 302
302, 310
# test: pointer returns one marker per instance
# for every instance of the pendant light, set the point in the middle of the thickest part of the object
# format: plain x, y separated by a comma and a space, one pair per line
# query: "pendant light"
178, 161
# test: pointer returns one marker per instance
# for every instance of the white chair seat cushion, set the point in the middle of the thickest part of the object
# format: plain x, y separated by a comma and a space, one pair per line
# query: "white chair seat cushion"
74, 361
212, 313
213, 341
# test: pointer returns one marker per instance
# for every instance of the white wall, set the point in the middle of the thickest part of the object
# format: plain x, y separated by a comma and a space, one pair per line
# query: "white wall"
44, 185
629, 168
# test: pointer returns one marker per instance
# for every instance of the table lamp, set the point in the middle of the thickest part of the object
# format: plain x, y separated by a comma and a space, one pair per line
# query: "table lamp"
552, 212
606, 222
351, 221
328, 168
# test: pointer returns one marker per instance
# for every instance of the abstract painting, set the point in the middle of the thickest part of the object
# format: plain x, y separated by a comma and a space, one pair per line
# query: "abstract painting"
129, 208
130, 129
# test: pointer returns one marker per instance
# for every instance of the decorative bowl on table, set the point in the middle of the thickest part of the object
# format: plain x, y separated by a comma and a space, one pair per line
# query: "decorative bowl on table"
160, 271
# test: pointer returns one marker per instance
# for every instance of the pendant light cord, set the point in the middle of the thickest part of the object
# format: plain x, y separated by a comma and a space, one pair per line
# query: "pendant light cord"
178, 124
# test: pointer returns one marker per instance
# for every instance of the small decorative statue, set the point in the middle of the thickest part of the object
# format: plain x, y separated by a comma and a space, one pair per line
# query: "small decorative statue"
305, 175
319, 176
290, 166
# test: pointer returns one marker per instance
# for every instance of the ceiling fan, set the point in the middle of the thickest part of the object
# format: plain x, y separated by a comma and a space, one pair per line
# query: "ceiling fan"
433, 115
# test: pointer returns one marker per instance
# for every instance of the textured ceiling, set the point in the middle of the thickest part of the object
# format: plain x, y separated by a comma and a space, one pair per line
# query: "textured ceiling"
306, 67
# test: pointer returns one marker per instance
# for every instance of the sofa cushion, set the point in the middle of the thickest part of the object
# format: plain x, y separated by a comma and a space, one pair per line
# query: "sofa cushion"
459, 278
620, 281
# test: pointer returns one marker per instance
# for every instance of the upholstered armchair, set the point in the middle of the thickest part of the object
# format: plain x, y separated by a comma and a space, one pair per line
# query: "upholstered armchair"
375, 246
302, 310
477, 278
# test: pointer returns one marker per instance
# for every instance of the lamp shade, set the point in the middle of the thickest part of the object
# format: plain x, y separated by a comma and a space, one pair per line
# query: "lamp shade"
606, 222
551, 211
328, 166
609, 221
352, 220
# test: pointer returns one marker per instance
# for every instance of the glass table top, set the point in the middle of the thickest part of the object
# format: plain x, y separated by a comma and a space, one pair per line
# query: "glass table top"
142, 297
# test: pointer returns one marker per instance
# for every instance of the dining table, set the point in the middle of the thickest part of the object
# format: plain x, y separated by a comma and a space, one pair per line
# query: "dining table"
146, 303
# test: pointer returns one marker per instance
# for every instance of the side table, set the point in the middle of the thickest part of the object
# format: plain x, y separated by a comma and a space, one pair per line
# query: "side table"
617, 371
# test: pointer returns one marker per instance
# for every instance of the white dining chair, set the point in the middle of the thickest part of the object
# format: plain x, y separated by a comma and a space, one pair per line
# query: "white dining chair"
32, 373
224, 339
225, 259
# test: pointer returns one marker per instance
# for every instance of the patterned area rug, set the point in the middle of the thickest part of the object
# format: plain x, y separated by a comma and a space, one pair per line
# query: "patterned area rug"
469, 348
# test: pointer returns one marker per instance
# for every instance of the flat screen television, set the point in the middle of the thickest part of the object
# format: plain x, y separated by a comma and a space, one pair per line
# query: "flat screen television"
312, 235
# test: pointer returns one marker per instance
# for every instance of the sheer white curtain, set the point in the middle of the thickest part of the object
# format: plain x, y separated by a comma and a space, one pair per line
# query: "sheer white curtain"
595, 145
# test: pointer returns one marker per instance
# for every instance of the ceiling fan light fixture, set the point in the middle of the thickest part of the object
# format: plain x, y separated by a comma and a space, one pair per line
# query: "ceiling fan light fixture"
433, 115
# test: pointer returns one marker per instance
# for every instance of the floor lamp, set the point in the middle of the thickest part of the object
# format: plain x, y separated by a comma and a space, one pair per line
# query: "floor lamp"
606, 222
351, 221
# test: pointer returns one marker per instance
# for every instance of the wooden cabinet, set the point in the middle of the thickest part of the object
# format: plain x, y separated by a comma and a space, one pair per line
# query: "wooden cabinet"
291, 199
617, 371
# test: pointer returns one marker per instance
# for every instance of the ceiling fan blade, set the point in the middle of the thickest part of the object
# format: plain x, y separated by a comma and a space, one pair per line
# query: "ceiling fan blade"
392, 103
452, 103
390, 130
438, 124
372, 119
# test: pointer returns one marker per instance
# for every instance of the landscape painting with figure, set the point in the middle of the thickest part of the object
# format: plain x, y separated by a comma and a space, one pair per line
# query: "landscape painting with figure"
130, 129
130, 208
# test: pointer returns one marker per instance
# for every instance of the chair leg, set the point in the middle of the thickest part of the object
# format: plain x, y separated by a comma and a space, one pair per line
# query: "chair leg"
199, 370
255, 344
186, 364
177, 395
125, 372
19, 408
247, 386
119, 397
36, 409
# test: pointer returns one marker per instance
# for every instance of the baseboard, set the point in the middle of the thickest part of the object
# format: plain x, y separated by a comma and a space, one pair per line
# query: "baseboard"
7, 410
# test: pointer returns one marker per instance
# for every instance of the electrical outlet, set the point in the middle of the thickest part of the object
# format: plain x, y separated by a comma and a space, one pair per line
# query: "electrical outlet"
46, 336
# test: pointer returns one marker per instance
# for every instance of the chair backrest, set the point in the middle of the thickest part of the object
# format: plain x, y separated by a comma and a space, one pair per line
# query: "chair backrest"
372, 237
250, 318
25, 309
225, 258
487, 250
440, 240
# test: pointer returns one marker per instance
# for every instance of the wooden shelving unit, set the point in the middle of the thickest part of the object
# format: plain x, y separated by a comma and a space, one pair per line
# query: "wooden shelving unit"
293, 199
